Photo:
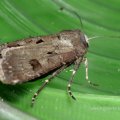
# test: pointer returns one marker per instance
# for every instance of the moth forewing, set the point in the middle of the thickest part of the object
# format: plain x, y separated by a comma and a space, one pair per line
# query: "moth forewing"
30, 58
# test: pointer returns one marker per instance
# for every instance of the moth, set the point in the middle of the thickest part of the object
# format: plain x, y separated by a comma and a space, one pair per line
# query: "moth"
27, 59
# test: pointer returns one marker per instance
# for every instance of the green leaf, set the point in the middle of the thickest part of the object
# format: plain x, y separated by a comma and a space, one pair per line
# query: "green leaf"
22, 19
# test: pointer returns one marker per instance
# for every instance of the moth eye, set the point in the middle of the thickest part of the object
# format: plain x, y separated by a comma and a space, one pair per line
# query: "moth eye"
39, 41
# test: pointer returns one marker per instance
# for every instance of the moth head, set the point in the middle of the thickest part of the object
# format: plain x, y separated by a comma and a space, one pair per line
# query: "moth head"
84, 40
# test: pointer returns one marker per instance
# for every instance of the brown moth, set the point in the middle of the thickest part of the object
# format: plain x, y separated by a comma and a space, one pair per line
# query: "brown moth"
30, 58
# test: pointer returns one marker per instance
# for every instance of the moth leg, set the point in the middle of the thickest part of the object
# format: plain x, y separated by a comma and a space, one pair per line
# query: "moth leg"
86, 72
46, 82
76, 66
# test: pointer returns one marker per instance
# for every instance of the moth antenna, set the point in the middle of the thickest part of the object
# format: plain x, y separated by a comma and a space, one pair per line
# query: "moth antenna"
79, 17
63, 7
90, 38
